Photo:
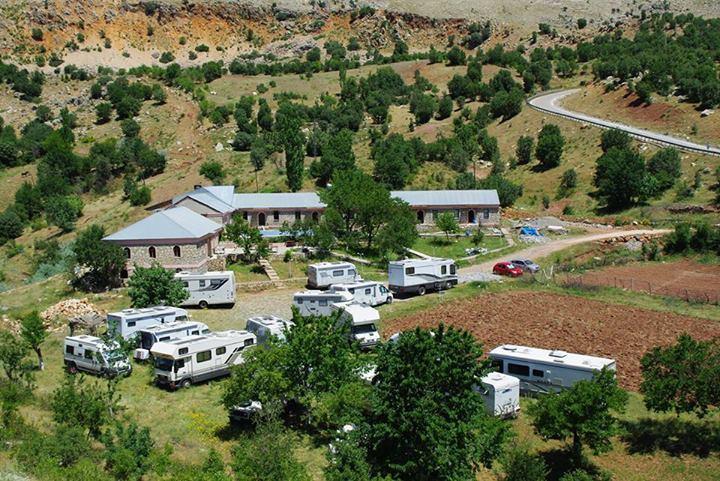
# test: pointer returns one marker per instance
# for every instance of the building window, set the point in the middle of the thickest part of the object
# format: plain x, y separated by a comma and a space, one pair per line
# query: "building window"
276, 215
152, 253
518, 369
315, 216
486, 213
297, 215
126, 251
245, 215
176, 251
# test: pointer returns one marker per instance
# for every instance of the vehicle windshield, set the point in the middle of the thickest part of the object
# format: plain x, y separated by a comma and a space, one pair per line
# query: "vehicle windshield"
364, 329
163, 363
114, 356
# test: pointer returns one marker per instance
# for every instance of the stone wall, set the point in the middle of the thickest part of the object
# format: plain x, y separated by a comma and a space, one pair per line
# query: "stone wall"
481, 216
276, 218
193, 257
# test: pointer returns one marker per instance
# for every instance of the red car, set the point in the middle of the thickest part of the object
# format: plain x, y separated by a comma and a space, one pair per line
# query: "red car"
507, 269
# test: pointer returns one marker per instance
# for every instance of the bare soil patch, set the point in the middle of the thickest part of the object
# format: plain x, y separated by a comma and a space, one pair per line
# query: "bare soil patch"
554, 321
684, 279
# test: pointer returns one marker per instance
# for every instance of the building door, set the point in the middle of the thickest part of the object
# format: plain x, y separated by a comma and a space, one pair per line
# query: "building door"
471, 217
261, 219
315, 216
421, 216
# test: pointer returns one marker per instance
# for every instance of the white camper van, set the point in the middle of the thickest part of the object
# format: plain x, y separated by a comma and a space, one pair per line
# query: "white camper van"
194, 359
412, 276
541, 370
501, 394
212, 288
167, 332
370, 292
265, 327
128, 322
363, 321
323, 274
92, 354
319, 303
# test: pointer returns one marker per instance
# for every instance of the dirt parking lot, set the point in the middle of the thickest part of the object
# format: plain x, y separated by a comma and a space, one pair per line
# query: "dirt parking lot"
684, 279
554, 321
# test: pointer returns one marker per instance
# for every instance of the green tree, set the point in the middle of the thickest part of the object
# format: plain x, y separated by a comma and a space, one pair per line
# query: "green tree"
682, 377
127, 451
583, 413
155, 286
428, 422
550, 146
63, 211
456, 56
524, 149
614, 138
678, 241
85, 405
34, 333
294, 144
264, 116
267, 456
477, 237
337, 155
568, 182
400, 231
507, 104
100, 262
130, 128
43, 113
447, 223
620, 178
581, 23
11, 225
520, 464
445, 107
508, 191
248, 238
103, 111
395, 161
423, 107
18, 379
213, 171
158, 94
664, 166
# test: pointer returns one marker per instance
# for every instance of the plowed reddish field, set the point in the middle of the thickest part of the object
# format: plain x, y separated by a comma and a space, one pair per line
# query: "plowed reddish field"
574, 324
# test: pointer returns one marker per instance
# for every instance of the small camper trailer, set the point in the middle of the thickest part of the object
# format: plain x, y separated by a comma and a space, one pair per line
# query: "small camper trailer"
323, 274
501, 394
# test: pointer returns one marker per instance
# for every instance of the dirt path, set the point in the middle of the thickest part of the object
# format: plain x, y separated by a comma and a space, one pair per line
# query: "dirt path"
539, 251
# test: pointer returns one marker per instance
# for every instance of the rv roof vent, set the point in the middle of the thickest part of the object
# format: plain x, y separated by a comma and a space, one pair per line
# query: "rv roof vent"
128, 311
146, 309
510, 347
558, 354
495, 376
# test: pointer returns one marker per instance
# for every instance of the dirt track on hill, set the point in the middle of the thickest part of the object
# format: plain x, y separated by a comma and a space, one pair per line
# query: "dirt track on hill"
574, 324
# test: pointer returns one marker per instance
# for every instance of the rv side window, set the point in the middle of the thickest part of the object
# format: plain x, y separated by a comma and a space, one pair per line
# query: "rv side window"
206, 331
518, 369
443, 270
351, 291
185, 284
323, 302
538, 373
409, 270
181, 318
338, 273
216, 282
131, 324
202, 282
351, 272
183, 350
249, 342
452, 268
368, 291
88, 354
497, 364
299, 300
70, 350
220, 350
204, 356
195, 333
166, 338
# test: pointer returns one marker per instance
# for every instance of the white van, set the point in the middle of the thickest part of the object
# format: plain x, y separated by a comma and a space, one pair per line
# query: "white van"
541, 371
92, 354
212, 288
167, 332
319, 303
194, 359
369, 292
128, 322
363, 321
417, 276
323, 274
265, 327
501, 394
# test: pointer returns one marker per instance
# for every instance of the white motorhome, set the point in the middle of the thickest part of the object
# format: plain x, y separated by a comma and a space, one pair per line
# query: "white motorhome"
363, 321
212, 288
167, 332
323, 274
128, 322
541, 370
501, 394
319, 303
265, 327
92, 354
194, 359
369, 292
417, 276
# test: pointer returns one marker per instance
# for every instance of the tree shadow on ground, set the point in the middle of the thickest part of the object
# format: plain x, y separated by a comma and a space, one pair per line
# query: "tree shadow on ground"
673, 436
560, 462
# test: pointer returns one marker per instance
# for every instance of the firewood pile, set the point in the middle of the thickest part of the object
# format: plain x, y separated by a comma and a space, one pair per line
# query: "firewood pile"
58, 315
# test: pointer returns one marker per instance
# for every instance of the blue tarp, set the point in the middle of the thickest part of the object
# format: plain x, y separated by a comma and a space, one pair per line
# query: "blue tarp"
529, 231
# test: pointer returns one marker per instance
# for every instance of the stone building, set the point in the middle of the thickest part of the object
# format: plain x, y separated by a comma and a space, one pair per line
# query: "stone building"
177, 238
471, 207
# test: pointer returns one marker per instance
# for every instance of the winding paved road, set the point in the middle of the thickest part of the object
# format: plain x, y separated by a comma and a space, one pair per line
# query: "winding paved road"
549, 103
535, 252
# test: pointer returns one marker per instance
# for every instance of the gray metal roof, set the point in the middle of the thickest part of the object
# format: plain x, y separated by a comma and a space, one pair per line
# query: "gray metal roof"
218, 198
174, 223
448, 197
293, 200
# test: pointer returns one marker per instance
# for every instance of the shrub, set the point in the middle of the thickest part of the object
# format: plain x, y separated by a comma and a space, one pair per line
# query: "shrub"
167, 57
581, 23
37, 34
202, 48
140, 196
